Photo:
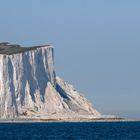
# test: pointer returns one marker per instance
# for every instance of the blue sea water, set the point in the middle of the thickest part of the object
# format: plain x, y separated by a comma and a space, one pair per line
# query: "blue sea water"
70, 131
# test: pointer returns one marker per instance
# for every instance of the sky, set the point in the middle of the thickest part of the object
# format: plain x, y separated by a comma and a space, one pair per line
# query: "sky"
96, 45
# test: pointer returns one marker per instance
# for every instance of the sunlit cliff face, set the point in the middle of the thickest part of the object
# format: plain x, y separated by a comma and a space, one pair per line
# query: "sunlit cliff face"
29, 86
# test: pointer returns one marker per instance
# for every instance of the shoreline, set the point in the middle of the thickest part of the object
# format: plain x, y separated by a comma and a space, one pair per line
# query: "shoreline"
33, 120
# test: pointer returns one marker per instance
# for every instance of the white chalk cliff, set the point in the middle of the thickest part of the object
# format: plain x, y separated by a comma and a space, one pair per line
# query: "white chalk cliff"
30, 88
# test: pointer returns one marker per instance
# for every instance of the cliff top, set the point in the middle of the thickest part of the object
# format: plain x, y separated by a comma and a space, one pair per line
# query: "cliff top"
8, 49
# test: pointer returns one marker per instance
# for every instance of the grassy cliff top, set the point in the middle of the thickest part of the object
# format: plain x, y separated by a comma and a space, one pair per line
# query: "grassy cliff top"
8, 49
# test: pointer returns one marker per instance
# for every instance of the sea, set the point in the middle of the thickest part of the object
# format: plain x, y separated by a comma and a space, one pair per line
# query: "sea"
70, 131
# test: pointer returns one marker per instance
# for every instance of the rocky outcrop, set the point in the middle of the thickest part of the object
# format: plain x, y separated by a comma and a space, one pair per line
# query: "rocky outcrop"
30, 88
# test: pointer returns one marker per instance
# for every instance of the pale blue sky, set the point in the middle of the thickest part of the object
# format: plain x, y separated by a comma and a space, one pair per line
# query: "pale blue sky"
97, 45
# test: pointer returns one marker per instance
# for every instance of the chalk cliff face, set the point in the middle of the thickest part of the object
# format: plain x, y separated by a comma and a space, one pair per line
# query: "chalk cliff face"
30, 88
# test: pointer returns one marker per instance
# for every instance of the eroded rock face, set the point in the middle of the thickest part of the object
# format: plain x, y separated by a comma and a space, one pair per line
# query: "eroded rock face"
29, 86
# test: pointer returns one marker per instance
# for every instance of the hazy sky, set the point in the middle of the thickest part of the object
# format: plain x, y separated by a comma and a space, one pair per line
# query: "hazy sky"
97, 45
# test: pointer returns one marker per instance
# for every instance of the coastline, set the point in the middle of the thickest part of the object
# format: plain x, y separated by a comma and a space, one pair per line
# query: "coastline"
34, 120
